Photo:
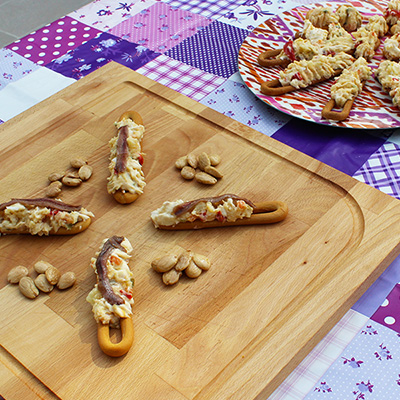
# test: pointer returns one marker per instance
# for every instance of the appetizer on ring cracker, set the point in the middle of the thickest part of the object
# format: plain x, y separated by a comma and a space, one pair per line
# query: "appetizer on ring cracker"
346, 88
112, 296
126, 181
42, 217
214, 212
301, 74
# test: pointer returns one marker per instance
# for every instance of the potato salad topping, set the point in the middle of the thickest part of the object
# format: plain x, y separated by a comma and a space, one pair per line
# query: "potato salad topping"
388, 74
350, 82
391, 48
228, 209
301, 74
349, 17
112, 295
126, 159
39, 216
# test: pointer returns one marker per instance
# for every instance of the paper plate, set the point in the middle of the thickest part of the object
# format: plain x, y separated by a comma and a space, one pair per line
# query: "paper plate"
372, 109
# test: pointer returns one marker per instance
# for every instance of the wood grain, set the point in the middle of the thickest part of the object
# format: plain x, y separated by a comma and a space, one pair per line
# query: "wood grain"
238, 330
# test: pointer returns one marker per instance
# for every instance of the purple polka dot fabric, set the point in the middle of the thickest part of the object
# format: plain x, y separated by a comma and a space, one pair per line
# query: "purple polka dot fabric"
388, 314
98, 52
160, 27
53, 40
214, 49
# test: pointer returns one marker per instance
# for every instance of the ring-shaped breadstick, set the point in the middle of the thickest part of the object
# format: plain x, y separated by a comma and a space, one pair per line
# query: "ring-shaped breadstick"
116, 349
268, 59
268, 212
121, 195
328, 111
274, 87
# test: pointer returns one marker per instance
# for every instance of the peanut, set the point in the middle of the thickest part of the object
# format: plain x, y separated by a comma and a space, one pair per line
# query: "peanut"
66, 280
181, 162
43, 284
77, 162
204, 161
56, 176
165, 263
201, 261
54, 189
213, 171
183, 261
215, 159
188, 172
72, 174
67, 181
85, 172
192, 160
41, 266
171, 277
27, 287
52, 275
206, 179
16, 273
193, 271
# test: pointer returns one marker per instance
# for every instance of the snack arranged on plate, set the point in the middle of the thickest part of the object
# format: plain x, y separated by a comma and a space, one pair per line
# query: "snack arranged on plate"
220, 211
388, 74
126, 181
42, 217
112, 295
392, 16
301, 74
312, 41
391, 48
346, 88
172, 266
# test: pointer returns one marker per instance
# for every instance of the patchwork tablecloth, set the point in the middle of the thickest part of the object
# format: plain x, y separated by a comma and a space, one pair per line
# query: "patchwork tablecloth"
192, 47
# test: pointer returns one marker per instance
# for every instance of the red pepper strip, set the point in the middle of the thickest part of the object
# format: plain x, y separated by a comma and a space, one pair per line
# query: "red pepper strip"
289, 50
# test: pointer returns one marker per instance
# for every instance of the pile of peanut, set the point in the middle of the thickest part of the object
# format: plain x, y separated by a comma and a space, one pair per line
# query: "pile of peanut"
171, 266
78, 172
201, 167
47, 277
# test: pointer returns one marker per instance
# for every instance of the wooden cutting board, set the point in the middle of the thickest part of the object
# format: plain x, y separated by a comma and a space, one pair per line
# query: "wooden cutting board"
239, 329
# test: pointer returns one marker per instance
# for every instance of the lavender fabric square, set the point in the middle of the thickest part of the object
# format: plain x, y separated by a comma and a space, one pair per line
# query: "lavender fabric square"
382, 170
388, 314
53, 40
235, 100
367, 369
13, 67
183, 78
160, 27
209, 8
98, 52
346, 150
105, 14
214, 49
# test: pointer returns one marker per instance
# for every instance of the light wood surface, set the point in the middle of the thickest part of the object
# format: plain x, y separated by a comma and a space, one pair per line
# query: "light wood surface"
238, 330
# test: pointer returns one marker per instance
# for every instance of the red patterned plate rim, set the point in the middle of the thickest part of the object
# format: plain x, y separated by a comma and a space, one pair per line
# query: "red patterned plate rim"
372, 109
